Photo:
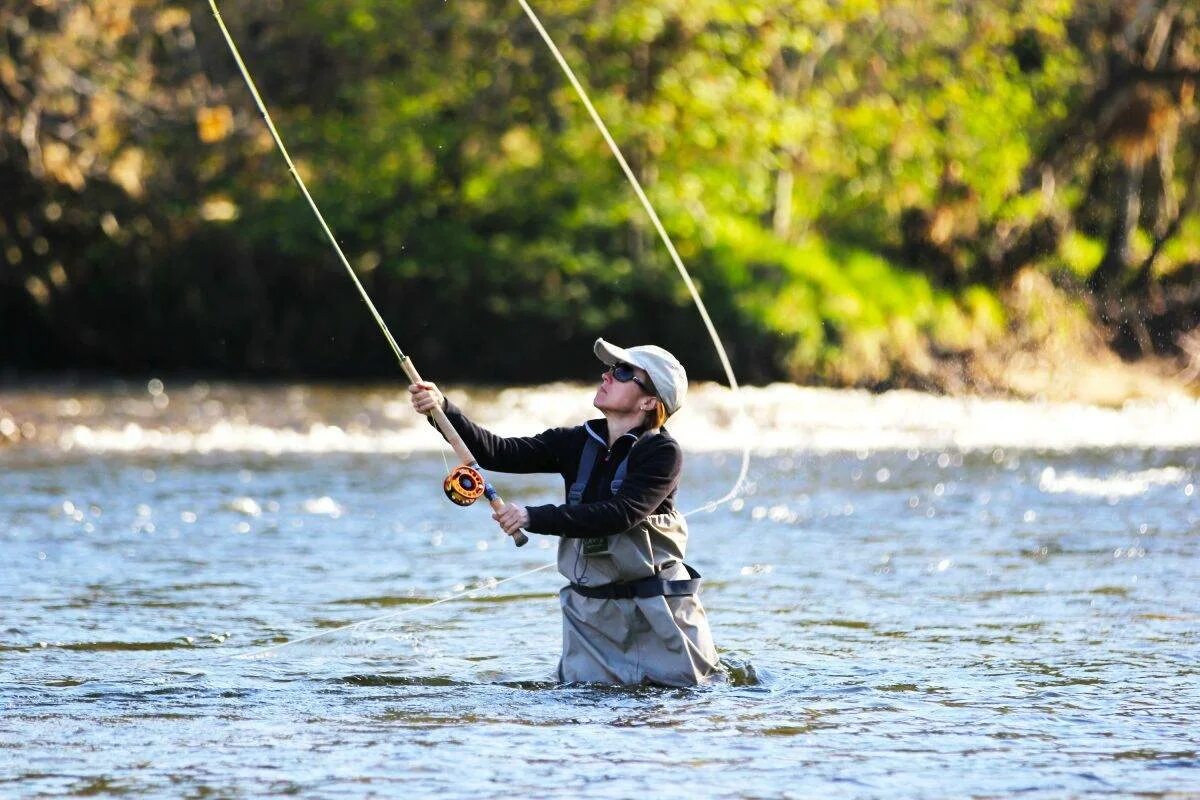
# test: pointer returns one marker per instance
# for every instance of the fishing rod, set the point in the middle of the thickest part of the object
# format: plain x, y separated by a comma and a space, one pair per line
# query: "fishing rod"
465, 484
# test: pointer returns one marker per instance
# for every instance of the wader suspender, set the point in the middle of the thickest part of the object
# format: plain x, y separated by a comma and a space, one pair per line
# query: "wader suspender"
596, 545
652, 586
587, 460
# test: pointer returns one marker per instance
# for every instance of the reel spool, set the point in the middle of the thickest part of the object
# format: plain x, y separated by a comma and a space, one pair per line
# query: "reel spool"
464, 485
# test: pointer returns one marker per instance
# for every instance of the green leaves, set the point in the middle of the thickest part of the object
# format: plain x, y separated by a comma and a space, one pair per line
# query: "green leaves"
785, 144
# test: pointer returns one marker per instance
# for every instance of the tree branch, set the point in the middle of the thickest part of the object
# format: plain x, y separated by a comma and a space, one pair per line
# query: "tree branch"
1093, 116
1190, 202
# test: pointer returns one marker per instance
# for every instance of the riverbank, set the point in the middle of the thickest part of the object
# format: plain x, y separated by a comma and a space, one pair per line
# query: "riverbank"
1050, 349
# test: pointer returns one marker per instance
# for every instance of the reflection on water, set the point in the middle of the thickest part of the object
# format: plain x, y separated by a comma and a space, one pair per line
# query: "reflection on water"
911, 593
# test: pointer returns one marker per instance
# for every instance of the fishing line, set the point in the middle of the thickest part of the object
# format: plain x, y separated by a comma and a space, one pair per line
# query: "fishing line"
403, 612
666, 240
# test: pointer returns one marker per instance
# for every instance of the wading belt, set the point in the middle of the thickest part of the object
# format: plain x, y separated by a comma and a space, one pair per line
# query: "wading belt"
653, 586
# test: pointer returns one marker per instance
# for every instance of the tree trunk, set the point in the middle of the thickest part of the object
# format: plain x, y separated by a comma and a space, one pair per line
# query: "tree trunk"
781, 219
1127, 209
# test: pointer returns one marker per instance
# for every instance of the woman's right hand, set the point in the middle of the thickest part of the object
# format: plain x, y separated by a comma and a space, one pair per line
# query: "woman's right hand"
425, 397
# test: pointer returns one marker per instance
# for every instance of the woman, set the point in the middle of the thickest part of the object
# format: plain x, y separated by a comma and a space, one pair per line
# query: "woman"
631, 613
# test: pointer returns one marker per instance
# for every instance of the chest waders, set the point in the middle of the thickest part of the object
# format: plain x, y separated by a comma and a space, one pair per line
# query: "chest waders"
631, 613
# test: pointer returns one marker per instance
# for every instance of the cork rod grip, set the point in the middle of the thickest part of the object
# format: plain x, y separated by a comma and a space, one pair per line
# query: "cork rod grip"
460, 447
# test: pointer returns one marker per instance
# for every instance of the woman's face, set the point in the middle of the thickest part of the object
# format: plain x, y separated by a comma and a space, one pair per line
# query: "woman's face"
621, 398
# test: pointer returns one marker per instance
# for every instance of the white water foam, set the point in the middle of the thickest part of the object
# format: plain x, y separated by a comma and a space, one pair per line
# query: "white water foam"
234, 437
782, 417
1119, 484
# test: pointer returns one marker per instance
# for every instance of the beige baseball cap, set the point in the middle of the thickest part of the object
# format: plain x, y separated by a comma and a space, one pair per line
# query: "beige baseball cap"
665, 371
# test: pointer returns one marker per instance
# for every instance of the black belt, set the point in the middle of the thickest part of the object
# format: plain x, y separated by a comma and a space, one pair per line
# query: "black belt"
652, 586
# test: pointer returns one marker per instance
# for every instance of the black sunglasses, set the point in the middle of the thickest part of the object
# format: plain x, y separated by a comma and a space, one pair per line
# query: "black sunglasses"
623, 373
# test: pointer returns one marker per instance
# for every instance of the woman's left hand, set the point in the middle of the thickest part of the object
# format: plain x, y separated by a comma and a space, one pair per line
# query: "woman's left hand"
512, 517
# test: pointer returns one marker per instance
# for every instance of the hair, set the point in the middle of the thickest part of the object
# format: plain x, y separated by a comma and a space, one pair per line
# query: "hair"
657, 416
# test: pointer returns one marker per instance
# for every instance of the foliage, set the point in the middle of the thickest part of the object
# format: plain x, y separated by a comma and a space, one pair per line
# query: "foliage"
854, 183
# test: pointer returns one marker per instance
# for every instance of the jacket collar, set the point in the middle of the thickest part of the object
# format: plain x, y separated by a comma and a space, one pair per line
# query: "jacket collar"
598, 430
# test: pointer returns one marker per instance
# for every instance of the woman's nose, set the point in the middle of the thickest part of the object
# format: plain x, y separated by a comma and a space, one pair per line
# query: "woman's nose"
606, 376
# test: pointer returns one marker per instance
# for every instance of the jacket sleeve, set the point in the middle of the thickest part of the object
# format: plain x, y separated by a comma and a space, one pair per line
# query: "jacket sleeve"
507, 454
651, 477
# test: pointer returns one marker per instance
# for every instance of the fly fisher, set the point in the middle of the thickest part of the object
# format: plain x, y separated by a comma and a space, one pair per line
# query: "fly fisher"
631, 611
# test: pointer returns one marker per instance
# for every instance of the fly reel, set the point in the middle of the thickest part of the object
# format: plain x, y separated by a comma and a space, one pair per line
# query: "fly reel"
464, 485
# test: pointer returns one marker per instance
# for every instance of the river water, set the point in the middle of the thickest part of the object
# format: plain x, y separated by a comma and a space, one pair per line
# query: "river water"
915, 596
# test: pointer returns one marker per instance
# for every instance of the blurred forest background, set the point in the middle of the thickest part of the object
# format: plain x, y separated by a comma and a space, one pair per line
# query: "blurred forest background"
869, 193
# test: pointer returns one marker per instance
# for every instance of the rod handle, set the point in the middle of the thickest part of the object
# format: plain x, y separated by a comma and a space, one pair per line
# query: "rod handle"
519, 538
456, 442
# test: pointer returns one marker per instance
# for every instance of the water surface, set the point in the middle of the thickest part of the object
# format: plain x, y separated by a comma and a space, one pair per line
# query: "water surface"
916, 597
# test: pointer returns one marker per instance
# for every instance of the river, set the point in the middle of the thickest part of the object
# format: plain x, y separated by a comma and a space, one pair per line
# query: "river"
915, 596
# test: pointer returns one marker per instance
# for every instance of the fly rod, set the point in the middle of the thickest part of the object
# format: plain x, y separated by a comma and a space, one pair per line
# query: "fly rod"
465, 484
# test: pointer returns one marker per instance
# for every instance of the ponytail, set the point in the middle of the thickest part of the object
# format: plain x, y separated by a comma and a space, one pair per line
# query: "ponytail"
657, 416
